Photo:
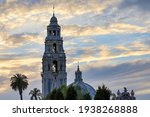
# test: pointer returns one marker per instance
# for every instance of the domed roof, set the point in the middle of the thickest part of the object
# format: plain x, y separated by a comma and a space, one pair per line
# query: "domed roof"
84, 87
53, 19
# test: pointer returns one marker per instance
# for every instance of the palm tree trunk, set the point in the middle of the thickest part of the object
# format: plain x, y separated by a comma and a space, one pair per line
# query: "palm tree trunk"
20, 93
21, 96
35, 97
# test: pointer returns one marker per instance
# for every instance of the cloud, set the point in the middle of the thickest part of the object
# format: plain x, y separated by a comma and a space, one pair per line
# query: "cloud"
17, 40
117, 28
3, 84
27, 63
31, 67
96, 33
147, 42
141, 4
19, 12
143, 92
32, 11
104, 52
88, 41
133, 75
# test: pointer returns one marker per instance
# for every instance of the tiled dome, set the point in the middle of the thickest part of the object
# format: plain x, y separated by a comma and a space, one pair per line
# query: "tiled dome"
85, 88
79, 84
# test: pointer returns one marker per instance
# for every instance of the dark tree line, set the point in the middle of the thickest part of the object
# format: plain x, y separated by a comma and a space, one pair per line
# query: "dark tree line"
19, 83
70, 94
102, 93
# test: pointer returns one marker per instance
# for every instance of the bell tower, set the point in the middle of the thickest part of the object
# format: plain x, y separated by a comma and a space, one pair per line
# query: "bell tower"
54, 72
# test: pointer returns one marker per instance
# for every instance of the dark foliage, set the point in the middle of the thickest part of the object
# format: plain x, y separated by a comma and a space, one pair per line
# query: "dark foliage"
87, 97
35, 94
103, 93
71, 93
56, 94
19, 83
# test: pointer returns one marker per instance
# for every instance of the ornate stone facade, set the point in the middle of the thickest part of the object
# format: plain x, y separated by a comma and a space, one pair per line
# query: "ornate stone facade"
54, 72
125, 95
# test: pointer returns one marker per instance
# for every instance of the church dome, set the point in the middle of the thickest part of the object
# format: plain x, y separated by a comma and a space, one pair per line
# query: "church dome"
84, 87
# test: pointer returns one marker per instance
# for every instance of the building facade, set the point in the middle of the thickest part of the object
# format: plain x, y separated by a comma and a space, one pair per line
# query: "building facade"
54, 72
125, 95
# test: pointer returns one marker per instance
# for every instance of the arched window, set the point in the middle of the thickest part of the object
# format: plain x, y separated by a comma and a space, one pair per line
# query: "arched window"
54, 66
54, 48
54, 32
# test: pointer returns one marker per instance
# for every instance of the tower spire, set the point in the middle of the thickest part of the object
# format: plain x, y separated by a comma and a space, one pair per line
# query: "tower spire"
78, 69
78, 74
53, 10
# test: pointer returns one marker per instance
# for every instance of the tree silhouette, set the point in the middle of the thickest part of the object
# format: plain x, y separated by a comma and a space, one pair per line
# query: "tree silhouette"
103, 93
56, 94
35, 94
64, 89
71, 93
19, 82
87, 97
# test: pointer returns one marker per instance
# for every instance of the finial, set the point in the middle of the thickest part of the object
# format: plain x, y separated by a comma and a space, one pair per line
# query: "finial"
53, 10
78, 67
132, 93
118, 92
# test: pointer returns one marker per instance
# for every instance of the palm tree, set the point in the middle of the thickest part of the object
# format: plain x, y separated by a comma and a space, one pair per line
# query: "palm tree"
19, 82
35, 94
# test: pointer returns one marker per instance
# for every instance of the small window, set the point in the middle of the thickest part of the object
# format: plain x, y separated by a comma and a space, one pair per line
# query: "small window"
54, 66
54, 48
54, 33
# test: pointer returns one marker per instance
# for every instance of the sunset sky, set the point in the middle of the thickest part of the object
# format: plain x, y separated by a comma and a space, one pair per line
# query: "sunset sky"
110, 39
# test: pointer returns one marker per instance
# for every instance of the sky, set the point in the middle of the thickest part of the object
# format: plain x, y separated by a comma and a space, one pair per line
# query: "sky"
110, 39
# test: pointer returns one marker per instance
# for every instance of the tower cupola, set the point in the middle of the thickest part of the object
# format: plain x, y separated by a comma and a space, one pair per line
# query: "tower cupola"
53, 20
78, 75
